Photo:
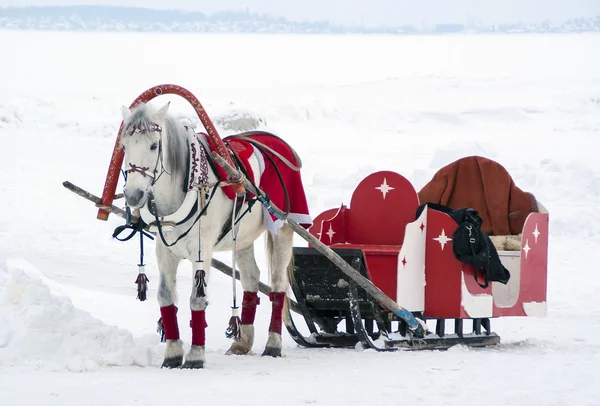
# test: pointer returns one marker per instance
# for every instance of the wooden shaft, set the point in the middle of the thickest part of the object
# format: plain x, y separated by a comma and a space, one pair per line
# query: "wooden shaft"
95, 199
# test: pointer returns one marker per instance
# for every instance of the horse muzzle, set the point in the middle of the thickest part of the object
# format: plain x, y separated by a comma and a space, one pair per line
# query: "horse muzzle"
135, 198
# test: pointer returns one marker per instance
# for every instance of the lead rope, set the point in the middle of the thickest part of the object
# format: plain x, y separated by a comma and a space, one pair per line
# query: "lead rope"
142, 280
233, 330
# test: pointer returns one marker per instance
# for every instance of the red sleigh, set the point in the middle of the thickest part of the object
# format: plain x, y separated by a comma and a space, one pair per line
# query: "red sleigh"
411, 260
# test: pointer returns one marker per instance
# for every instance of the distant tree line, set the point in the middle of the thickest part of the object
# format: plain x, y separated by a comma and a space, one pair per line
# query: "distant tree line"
107, 18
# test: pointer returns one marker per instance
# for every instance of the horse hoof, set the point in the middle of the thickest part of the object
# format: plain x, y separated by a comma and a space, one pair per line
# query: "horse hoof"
174, 362
272, 352
199, 364
238, 349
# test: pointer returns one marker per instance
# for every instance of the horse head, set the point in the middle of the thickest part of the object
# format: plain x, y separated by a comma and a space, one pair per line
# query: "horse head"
141, 140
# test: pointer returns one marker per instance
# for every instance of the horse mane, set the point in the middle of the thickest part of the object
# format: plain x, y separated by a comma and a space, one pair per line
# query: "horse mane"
177, 152
177, 148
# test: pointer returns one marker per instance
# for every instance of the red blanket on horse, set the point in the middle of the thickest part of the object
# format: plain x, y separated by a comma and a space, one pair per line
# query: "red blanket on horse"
483, 185
269, 179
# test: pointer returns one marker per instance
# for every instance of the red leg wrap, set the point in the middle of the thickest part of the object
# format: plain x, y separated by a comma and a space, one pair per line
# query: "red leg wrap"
249, 303
278, 299
198, 325
169, 321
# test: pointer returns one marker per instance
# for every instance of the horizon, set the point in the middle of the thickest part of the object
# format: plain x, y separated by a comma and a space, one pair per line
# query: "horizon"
377, 13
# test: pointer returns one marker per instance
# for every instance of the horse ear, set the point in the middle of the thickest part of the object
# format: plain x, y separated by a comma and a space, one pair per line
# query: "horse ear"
161, 113
125, 113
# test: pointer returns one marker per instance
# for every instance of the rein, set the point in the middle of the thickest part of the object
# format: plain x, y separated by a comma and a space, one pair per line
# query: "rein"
153, 210
246, 136
265, 151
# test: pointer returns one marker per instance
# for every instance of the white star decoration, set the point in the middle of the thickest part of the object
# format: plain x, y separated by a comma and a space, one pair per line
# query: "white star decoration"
536, 233
526, 248
384, 187
443, 239
330, 233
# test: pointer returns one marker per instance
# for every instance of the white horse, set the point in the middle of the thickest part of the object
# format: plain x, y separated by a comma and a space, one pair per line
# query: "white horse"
156, 158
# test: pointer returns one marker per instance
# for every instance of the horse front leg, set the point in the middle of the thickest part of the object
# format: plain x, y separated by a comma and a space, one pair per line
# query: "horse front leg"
167, 297
249, 276
196, 357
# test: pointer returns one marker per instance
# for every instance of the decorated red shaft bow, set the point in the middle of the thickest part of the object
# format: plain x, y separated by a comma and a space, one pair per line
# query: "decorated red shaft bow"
116, 160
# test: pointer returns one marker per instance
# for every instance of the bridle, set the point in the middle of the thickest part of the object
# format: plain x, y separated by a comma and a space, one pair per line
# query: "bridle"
137, 129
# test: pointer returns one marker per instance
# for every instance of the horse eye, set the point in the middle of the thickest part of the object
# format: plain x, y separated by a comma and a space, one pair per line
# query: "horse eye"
153, 146
123, 147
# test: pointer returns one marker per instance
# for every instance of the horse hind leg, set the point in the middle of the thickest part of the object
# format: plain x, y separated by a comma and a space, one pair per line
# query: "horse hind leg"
279, 251
249, 276
167, 297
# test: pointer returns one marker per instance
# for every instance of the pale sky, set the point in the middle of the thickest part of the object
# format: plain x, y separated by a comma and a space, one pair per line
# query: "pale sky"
372, 12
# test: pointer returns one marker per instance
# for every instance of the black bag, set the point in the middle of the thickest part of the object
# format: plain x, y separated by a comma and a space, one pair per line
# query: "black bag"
471, 245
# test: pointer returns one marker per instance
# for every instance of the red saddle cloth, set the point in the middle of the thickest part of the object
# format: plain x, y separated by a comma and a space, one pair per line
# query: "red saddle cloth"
483, 185
269, 180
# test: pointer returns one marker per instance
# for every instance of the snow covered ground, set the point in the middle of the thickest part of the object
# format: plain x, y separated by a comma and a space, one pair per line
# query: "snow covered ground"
71, 331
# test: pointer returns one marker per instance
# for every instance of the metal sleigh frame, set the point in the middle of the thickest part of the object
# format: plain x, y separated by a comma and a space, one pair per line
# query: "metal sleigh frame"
324, 308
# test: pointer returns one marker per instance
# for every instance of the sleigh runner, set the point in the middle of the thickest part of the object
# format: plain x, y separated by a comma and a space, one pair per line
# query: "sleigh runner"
373, 272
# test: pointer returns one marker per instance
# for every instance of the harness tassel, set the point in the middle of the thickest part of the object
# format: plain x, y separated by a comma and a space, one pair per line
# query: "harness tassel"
200, 283
233, 331
160, 329
142, 284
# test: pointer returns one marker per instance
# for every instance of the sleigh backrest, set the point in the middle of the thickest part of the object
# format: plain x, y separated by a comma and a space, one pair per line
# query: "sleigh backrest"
381, 206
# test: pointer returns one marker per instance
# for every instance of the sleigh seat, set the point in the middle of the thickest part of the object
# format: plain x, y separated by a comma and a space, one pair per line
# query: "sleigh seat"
381, 207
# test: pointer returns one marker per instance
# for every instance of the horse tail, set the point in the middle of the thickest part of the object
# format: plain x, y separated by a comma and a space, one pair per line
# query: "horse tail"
290, 270
270, 253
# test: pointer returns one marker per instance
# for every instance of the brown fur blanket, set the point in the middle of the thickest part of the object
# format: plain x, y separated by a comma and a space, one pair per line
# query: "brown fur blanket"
486, 186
